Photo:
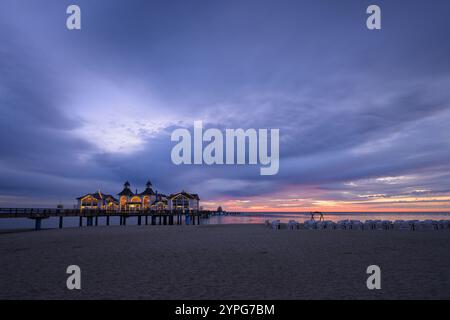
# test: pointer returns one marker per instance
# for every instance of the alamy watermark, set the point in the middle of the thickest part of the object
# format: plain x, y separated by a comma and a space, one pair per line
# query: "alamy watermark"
238, 145
74, 280
73, 21
373, 22
374, 280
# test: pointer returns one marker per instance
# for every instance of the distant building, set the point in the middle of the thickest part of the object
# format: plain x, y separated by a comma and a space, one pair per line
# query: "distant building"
134, 201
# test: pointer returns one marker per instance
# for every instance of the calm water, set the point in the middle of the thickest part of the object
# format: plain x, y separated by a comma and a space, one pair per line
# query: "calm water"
301, 217
244, 218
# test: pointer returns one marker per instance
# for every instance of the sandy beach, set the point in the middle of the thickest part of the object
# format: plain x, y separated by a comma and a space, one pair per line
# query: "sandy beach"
224, 262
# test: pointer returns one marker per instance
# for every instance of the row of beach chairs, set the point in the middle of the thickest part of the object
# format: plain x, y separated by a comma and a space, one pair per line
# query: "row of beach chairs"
366, 225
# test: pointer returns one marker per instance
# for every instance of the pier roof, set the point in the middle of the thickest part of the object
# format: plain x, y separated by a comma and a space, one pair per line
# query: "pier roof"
147, 192
186, 194
98, 195
126, 190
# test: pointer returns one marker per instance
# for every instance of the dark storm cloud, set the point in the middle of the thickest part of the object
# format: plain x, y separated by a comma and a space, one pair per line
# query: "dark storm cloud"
351, 104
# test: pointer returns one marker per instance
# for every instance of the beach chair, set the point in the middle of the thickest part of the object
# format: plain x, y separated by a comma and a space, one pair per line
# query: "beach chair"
310, 224
402, 225
387, 225
369, 225
343, 225
356, 225
424, 225
330, 225
429, 225
379, 225
276, 225
444, 224
293, 225
397, 224
320, 225
412, 224
417, 225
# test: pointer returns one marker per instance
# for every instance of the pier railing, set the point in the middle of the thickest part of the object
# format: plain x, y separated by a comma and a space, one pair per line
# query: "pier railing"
54, 212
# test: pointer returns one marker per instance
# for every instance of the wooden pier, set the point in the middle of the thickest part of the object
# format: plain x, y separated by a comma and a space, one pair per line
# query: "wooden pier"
91, 217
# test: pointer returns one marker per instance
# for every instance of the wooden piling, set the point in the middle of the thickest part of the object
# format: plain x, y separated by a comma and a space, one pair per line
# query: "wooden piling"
107, 220
81, 221
139, 220
37, 223
60, 222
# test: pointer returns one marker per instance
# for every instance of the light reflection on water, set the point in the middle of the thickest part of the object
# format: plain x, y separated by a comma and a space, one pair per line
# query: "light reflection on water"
243, 218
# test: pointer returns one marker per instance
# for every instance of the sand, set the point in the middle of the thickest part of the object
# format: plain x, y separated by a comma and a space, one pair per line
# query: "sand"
224, 262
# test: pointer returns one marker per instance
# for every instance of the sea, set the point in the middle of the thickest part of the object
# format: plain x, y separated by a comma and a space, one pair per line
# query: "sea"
242, 218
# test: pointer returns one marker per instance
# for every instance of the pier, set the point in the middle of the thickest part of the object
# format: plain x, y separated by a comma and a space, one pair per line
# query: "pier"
89, 217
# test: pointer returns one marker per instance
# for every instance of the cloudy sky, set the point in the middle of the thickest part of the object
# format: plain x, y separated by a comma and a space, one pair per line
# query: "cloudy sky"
363, 115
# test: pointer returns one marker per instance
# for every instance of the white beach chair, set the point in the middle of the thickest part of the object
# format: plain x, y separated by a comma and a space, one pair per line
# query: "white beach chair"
320, 225
379, 225
325, 225
356, 225
417, 225
343, 225
276, 225
429, 225
435, 224
444, 224
330, 225
410, 224
293, 225
397, 224
413, 224
402, 225
423, 225
369, 225
383, 225
310, 224
387, 225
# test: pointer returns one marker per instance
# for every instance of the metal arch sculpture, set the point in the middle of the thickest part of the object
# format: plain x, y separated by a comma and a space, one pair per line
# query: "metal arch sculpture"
313, 214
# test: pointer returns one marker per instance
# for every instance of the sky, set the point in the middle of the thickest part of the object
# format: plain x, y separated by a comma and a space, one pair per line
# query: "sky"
363, 114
